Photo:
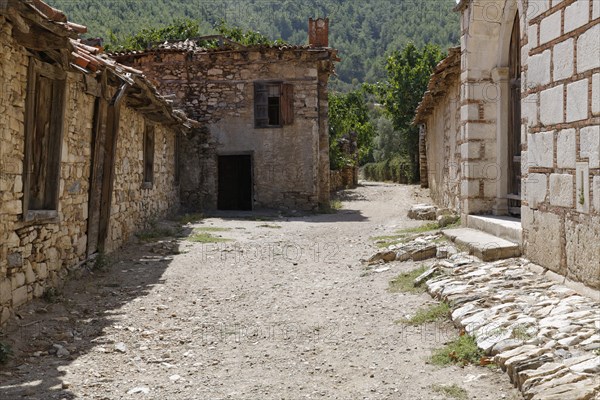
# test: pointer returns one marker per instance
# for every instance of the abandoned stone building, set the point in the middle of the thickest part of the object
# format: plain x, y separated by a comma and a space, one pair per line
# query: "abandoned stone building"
87, 151
264, 141
511, 129
91, 153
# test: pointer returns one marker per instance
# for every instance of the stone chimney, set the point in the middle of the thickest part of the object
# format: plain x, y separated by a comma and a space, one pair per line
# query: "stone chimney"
318, 32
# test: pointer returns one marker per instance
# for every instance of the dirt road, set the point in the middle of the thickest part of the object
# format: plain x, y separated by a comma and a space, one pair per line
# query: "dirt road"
284, 310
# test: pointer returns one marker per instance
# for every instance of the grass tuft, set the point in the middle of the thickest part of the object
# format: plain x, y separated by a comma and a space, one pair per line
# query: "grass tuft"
269, 226
52, 295
386, 241
5, 352
405, 282
454, 391
101, 262
430, 226
205, 237
211, 229
432, 313
334, 206
462, 350
190, 218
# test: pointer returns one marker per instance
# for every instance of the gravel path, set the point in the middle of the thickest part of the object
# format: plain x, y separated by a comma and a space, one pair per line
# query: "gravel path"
283, 311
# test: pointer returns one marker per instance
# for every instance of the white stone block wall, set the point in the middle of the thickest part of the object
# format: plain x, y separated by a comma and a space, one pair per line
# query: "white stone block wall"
564, 144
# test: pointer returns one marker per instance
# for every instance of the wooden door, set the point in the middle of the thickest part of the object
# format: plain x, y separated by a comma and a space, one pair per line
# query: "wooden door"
101, 185
235, 183
514, 126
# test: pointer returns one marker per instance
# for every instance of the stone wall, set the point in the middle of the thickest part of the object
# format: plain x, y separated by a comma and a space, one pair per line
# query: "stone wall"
135, 205
37, 255
561, 209
443, 148
290, 163
560, 127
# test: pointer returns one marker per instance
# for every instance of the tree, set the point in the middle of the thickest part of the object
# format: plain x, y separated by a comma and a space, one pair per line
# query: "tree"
408, 75
349, 125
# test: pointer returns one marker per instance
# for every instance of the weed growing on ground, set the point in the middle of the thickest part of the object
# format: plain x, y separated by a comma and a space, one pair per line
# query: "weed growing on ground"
101, 262
211, 229
334, 206
204, 237
520, 332
189, 218
432, 313
5, 352
453, 225
51, 295
386, 241
155, 232
405, 282
454, 391
269, 226
462, 350
430, 226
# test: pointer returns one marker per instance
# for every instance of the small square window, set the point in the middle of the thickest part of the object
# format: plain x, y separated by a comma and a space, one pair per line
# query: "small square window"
273, 102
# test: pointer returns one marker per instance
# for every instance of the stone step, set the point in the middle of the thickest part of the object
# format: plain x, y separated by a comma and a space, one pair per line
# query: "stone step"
504, 227
483, 245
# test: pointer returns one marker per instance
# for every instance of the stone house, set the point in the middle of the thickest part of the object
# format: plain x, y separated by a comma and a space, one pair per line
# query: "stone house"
87, 151
264, 141
511, 128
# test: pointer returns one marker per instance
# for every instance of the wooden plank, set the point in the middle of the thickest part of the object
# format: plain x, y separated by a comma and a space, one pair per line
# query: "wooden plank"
112, 127
55, 145
40, 162
40, 39
97, 173
149, 154
287, 104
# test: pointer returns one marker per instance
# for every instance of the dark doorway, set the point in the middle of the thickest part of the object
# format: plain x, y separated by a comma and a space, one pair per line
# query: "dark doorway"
514, 123
235, 182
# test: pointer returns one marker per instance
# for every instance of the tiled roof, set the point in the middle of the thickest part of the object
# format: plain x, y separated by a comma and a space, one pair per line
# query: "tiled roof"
90, 61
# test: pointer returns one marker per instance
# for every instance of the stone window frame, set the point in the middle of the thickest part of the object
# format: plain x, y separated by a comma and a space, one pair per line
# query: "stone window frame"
263, 108
42, 152
149, 150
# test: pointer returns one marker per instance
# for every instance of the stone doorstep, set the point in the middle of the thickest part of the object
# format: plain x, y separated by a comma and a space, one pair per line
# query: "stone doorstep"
483, 245
504, 227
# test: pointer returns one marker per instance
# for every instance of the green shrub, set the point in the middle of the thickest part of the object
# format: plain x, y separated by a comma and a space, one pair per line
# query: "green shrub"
462, 350
397, 169
405, 282
5, 353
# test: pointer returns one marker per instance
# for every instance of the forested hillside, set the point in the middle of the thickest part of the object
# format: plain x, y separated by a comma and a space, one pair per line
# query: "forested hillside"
364, 31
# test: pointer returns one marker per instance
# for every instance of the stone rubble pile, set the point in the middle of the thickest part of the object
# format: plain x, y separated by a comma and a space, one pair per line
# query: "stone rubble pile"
422, 212
443, 216
543, 334
421, 248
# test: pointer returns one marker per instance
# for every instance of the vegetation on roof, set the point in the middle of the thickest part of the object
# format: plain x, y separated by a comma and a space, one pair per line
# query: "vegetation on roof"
184, 29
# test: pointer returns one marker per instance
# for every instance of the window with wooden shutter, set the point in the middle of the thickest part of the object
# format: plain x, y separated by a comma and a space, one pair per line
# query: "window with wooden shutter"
149, 156
273, 104
43, 140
